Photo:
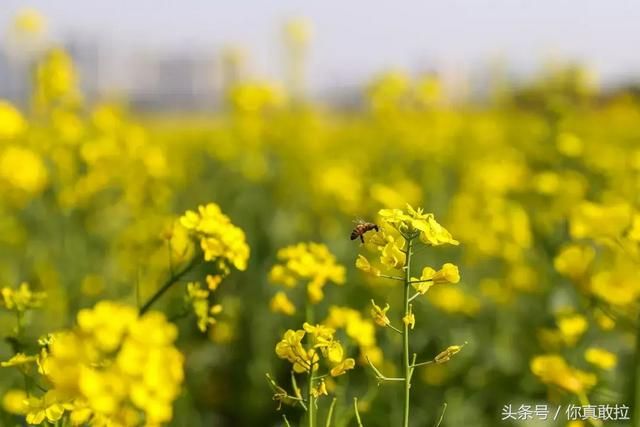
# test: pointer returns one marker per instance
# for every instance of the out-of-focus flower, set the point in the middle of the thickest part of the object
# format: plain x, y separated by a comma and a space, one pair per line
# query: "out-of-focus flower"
298, 32
552, 369
18, 359
574, 260
601, 358
363, 264
29, 21
618, 287
14, 402
22, 169
569, 144
592, 220
280, 303
310, 263
357, 328
198, 298
12, 124
113, 366
453, 300
572, 327
22, 298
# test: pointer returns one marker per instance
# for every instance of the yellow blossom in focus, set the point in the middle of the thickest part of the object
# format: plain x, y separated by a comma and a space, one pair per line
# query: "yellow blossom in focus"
416, 221
448, 274
320, 389
409, 319
291, 349
49, 408
380, 314
392, 257
280, 303
342, 367
601, 358
322, 335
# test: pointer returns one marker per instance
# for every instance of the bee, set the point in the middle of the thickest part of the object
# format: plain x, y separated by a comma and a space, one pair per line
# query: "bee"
361, 228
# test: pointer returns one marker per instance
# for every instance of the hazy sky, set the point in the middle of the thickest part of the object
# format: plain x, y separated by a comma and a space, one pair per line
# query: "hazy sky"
356, 38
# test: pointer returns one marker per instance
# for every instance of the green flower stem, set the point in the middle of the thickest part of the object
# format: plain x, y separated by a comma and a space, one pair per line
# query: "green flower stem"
312, 404
167, 285
311, 412
330, 413
355, 408
406, 365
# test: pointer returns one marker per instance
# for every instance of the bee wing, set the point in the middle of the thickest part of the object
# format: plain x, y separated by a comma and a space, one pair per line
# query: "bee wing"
359, 221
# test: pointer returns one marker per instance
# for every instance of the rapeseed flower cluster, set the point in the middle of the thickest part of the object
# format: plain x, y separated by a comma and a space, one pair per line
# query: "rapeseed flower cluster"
309, 264
114, 368
396, 248
220, 240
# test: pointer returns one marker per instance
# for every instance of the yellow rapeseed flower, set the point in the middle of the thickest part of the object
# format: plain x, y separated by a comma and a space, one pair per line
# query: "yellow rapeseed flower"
14, 402
22, 298
23, 169
280, 303
113, 366
310, 263
552, 369
601, 358
574, 260
343, 367
220, 240
380, 314
12, 124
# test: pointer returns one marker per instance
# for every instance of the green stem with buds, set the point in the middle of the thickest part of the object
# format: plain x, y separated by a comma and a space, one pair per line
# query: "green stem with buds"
406, 364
